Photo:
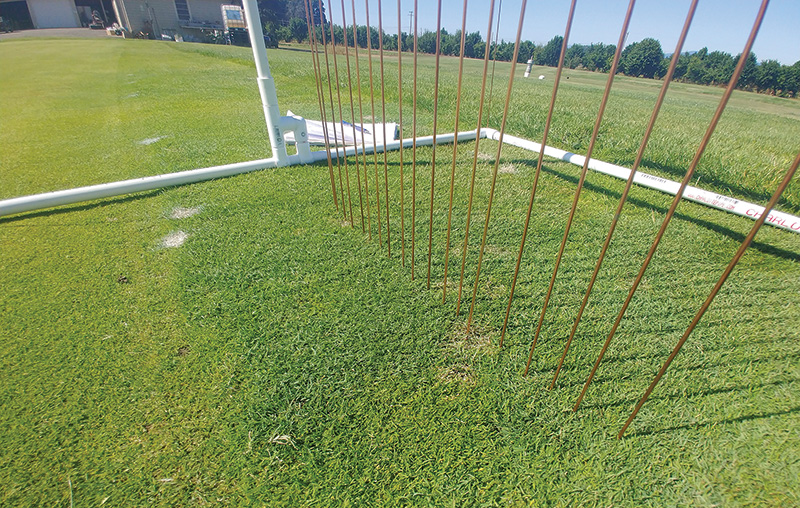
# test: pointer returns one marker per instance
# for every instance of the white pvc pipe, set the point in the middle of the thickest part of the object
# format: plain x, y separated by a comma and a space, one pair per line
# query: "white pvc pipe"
80, 194
738, 207
105, 190
266, 85
50, 199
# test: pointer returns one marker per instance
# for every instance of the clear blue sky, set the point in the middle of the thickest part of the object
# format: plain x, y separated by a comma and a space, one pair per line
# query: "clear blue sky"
718, 24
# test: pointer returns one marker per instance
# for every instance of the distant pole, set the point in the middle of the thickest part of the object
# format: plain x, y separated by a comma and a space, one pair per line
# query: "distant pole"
410, 18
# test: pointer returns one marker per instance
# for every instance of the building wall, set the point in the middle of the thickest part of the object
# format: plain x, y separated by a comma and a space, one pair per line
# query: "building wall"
54, 14
206, 10
149, 16
154, 16
163, 16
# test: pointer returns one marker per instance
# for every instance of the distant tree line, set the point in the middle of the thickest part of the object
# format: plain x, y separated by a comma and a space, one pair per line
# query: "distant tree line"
286, 20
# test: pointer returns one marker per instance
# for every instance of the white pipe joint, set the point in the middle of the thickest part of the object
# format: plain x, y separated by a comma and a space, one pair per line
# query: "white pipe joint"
300, 130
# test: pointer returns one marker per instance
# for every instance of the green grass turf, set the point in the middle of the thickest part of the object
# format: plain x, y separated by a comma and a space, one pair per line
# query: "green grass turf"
279, 358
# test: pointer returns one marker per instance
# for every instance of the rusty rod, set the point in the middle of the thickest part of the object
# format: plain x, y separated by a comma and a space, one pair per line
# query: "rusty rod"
739, 253
383, 125
455, 151
312, 40
577, 196
497, 163
706, 138
400, 128
361, 115
341, 116
333, 112
486, 52
374, 142
629, 183
538, 167
433, 156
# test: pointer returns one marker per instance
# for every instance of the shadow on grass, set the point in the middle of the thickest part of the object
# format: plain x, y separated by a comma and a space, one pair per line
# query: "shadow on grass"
706, 348
747, 361
724, 421
299, 50
610, 377
63, 209
734, 235
699, 393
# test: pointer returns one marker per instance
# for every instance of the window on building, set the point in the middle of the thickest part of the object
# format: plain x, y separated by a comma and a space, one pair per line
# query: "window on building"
182, 8
233, 14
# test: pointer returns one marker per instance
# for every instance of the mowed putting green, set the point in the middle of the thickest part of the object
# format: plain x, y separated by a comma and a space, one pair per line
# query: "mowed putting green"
237, 342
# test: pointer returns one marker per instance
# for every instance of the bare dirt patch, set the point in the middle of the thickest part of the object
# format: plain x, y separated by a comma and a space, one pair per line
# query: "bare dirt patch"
180, 212
461, 349
150, 141
457, 373
497, 250
507, 168
175, 239
476, 339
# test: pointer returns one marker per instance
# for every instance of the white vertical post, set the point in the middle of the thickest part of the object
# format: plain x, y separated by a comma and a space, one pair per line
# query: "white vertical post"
266, 86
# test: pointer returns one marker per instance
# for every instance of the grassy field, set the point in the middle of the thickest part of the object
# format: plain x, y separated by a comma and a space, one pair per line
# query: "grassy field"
279, 358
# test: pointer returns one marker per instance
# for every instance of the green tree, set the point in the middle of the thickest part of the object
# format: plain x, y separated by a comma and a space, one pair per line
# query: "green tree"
318, 13
642, 59
573, 58
479, 49
282, 33
720, 66
451, 44
374, 37
789, 80
599, 56
471, 44
747, 80
767, 77
550, 52
426, 43
526, 49
503, 52
682, 66
696, 72
389, 42
338, 34
272, 13
296, 9
298, 29
408, 42
361, 36
664, 66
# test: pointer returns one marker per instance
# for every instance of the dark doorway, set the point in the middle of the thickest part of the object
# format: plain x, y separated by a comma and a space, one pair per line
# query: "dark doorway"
89, 9
16, 15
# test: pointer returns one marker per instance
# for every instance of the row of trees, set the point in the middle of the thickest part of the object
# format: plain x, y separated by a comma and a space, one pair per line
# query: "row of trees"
282, 18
